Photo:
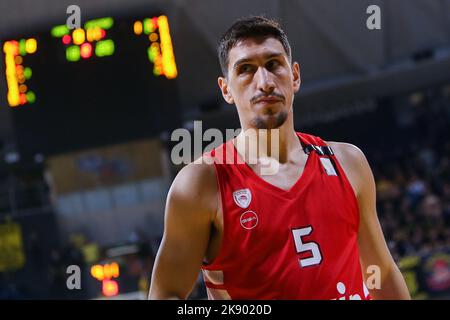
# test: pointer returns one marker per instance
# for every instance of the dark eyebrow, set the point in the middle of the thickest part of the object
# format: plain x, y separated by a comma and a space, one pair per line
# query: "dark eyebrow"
247, 59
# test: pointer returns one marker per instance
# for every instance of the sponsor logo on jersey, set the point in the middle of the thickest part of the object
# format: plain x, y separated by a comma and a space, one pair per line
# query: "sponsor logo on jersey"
249, 220
242, 197
340, 287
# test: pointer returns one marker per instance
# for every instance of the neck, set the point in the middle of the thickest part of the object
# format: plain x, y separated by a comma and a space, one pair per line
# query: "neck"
255, 144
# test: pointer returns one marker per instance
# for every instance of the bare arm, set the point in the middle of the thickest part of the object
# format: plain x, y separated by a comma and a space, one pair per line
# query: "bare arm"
190, 209
372, 245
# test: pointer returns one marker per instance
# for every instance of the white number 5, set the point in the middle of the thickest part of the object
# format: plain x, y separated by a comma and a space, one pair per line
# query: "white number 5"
300, 246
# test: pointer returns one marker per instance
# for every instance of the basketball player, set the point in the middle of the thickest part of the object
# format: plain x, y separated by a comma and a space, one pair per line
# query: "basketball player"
309, 231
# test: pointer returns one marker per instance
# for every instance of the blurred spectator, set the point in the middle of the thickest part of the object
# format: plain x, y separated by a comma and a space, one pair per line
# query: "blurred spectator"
415, 190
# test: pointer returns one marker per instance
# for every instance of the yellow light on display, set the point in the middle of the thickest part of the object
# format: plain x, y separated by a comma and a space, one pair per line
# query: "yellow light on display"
11, 49
158, 62
94, 34
168, 59
115, 273
90, 35
152, 53
97, 272
18, 60
107, 271
113, 270
153, 37
98, 33
13, 99
78, 36
31, 46
137, 27
22, 88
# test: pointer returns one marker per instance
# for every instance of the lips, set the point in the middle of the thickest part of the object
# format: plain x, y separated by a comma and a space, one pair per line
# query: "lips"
268, 100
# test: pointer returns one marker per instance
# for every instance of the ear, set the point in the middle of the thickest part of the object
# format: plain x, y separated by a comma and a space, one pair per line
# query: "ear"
296, 75
222, 81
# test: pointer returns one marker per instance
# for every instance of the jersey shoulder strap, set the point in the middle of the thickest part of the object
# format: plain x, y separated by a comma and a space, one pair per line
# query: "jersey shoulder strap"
313, 143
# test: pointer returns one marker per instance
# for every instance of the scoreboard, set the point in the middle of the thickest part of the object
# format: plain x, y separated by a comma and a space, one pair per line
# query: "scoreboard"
111, 80
16, 74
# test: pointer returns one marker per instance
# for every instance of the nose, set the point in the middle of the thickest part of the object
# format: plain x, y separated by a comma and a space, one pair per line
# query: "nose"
264, 80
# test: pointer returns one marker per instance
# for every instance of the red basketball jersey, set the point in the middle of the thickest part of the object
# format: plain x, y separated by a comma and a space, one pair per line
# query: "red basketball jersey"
299, 243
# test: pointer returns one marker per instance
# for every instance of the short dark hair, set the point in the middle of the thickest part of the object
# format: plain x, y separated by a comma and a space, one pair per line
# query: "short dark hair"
250, 27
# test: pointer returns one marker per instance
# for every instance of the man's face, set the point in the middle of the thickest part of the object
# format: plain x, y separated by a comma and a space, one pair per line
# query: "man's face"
261, 82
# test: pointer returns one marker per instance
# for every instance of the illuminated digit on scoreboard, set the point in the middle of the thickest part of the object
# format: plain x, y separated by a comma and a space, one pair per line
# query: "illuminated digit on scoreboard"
16, 74
84, 43
160, 51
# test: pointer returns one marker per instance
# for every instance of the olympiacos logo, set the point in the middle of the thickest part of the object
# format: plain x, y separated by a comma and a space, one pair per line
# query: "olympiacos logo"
242, 197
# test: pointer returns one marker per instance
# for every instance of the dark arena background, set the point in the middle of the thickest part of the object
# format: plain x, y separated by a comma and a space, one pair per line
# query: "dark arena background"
87, 114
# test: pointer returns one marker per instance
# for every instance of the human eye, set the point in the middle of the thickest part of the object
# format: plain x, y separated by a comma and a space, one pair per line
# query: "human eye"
272, 64
245, 68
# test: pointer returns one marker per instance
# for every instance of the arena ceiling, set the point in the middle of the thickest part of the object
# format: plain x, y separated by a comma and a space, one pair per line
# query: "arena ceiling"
338, 55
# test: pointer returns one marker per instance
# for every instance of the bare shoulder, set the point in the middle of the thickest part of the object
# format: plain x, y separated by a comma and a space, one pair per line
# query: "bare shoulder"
355, 164
348, 152
195, 186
